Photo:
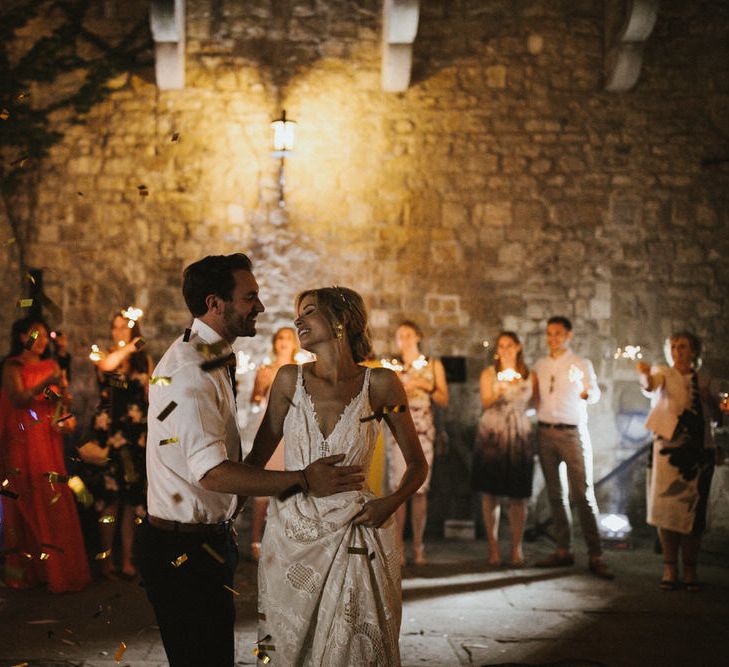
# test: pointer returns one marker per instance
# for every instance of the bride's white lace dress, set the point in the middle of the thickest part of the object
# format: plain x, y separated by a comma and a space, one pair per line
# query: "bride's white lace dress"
328, 591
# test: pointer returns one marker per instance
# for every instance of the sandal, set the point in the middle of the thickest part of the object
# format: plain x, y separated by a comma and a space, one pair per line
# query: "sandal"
670, 584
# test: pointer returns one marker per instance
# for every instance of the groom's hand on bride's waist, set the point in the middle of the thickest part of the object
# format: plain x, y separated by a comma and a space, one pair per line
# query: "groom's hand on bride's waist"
324, 477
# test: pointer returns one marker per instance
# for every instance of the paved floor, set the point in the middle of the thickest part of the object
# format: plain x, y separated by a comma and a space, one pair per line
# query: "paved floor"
456, 612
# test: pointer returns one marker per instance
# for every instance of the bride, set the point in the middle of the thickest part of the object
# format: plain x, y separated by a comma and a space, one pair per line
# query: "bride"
329, 572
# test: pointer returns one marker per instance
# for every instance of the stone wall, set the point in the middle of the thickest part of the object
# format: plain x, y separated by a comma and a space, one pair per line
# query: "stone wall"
504, 186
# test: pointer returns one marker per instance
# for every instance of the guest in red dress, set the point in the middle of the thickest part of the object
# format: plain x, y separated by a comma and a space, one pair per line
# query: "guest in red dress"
43, 540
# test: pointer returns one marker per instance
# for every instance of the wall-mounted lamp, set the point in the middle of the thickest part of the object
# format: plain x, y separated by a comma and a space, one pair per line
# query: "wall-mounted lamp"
284, 137
284, 134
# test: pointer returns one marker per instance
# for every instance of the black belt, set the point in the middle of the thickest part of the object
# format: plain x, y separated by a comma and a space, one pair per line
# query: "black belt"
559, 427
221, 528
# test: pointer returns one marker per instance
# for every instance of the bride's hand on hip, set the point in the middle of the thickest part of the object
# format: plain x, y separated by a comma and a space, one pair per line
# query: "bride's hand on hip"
374, 513
325, 478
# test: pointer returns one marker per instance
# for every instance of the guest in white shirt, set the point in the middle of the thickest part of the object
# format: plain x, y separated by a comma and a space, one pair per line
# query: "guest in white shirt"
185, 549
564, 383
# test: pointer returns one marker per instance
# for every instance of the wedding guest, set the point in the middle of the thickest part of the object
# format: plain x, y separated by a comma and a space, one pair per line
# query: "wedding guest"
503, 454
285, 347
40, 510
329, 574
682, 461
115, 446
564, 384
185, 548
424, 380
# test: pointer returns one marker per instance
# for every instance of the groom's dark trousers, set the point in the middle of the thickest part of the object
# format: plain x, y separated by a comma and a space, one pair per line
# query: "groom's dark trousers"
185, 583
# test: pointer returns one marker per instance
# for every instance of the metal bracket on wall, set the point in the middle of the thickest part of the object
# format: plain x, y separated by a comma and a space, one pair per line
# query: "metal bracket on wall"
628, 24
167, 21
399, 27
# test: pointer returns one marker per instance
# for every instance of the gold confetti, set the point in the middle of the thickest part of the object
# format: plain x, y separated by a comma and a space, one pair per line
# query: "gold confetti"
175, 136
177, 498
80, 194
103, 555
179, 560
25, 303
50, 393
107, 518
44, 555
120, 651
55, 499
10, 241
185, 336
232, 590
211, 349
31, 339
218, 362
169, 441
70, 642
21, 664
30, 278
4, 114
167, 411
263, 657
25, 554
214, 554
21, 96
20, 162
388, 409
140, 343
143, 191
138, 520
162, 380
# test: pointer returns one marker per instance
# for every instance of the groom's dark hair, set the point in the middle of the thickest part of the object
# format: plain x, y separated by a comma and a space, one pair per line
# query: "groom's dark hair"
212, 275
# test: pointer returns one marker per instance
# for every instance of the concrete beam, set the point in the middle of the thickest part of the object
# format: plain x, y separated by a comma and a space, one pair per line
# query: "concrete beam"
628, 24
167, 21
399, 28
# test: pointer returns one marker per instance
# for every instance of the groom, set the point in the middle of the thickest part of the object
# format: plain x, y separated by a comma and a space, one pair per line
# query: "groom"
185, 549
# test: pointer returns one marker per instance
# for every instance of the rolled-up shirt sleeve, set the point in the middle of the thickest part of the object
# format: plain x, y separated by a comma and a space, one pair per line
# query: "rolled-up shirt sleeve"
196, 421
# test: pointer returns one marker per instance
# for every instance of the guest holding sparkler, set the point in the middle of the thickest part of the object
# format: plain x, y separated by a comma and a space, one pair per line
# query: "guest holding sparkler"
503, 454
115, 450
43, 540
682, 462
285, 349
564, 383
424, 380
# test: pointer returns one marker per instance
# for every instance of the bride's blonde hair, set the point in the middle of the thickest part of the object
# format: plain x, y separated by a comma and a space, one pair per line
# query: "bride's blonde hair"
344, 307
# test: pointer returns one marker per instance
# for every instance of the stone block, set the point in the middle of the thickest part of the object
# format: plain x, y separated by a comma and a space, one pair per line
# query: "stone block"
493, 214
496, 76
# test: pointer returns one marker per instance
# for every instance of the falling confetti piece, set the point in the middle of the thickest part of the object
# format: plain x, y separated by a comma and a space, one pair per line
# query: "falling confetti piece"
179, 560
21, 664
167, 411
218, 362
138, 520
4, 114
52, 547
20, 162
175, 135
50, 393
21, 96
143, 191
214, 554
63, 418
177, 498
140, 343
120, 651
162, 380
102, 555
211, 349
232, 590
387, 410
8, 493
44, 556
70, 642
107, 518
168, 441
55, 499
80, 194
25, 303
42, 621
31, 339
54, 477
186, 335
